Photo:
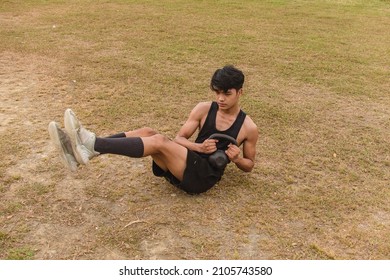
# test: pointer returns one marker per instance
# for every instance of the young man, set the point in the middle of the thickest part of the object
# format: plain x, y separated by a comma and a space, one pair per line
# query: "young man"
182, 162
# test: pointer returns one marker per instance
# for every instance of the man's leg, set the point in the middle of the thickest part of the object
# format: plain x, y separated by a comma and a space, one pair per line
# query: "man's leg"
142, 132
167, 154
125, 143
138, 143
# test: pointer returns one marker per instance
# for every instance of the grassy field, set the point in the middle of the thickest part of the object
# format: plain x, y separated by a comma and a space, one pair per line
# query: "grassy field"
317, 85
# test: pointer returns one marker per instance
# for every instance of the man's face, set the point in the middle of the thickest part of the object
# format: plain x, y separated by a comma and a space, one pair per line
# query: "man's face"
228, 99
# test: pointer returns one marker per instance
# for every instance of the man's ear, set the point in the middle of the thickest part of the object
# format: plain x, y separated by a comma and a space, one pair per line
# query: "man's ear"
240, 91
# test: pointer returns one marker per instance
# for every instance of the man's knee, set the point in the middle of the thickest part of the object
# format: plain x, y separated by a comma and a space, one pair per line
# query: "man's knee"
160, 140
149, 131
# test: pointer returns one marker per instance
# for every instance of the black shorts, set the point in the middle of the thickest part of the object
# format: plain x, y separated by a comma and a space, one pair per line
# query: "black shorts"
199, 176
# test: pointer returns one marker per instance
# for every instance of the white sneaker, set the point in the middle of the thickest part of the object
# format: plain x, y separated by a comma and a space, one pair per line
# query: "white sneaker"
62, 143
83, 141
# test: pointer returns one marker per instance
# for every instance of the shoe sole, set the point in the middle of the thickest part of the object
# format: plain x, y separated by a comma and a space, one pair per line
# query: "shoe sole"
72, 126
68, 160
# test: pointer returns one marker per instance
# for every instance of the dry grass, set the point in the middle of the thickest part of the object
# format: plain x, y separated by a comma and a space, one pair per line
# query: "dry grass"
317, 86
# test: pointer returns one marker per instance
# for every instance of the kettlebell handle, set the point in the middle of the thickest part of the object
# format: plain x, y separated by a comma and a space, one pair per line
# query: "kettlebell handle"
223, 136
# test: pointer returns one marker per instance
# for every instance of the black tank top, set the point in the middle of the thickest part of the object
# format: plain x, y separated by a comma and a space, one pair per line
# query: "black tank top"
209, 128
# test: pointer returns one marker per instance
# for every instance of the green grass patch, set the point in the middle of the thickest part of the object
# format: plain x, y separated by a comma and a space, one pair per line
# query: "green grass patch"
20, 254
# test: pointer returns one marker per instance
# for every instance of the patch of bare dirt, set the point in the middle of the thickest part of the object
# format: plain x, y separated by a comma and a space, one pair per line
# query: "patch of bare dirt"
64, 226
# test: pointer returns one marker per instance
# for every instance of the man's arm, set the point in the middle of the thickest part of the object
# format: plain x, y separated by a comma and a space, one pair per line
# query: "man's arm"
189, 128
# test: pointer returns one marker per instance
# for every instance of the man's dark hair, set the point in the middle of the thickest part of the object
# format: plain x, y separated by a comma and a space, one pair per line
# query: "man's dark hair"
227, 78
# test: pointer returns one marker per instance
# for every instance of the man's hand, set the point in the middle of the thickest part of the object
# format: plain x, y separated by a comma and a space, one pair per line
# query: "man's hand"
233, 152
209, 146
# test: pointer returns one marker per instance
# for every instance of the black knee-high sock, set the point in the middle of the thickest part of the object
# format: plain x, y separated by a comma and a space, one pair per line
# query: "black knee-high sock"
126, 146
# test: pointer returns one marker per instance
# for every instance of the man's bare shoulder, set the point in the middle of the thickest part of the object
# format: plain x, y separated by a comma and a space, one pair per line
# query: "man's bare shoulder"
203, 105
250, 127
250, 123
249, 132
201, 108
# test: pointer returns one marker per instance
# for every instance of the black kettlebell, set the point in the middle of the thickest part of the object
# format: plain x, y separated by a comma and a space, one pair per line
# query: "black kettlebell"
219, 159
